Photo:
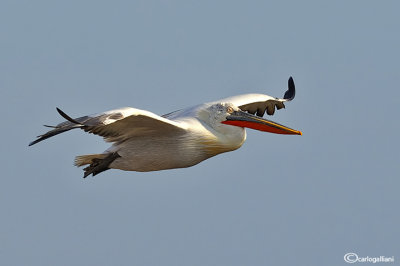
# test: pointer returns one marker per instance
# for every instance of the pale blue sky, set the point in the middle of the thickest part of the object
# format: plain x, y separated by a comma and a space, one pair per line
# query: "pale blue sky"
279, 200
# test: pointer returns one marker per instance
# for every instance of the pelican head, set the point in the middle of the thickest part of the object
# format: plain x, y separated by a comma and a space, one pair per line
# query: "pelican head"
222, 116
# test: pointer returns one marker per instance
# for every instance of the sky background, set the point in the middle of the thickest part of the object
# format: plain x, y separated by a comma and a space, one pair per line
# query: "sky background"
278, 200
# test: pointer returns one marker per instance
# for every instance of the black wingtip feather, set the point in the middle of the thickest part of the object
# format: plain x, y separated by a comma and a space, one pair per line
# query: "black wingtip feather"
67, 117
32, 143
57, 129
291, 92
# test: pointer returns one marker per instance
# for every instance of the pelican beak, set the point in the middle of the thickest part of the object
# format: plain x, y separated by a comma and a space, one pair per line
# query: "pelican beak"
243, 119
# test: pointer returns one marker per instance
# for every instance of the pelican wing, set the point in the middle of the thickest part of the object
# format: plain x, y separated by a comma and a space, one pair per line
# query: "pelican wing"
261, 103
117, 125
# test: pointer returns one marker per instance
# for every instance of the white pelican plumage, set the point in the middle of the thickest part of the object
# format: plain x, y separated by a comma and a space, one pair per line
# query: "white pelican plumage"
143, 141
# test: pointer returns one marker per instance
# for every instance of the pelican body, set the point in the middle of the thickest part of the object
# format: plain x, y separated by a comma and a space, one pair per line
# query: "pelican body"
143, 141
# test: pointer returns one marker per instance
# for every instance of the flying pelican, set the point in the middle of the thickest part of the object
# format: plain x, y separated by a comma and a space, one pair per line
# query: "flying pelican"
143, 141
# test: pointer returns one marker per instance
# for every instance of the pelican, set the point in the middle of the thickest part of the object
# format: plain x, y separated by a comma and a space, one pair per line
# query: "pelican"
143, 141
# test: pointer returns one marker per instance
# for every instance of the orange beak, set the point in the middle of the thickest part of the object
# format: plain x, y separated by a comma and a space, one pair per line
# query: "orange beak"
243, 119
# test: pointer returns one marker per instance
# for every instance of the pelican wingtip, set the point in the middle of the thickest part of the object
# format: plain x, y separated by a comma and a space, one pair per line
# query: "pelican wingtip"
291, 92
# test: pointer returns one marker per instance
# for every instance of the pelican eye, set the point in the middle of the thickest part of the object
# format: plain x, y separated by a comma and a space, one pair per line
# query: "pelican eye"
229, 110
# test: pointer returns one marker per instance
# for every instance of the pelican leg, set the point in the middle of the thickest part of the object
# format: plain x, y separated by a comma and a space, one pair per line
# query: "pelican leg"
100, 165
